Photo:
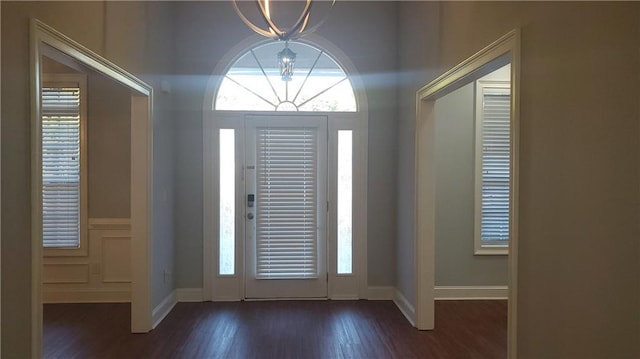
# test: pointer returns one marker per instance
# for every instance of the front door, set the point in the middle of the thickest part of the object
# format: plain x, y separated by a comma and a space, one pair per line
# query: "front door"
286, 206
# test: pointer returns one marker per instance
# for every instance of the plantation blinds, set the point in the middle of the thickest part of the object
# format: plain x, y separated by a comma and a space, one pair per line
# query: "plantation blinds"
61, 167
287, 202
495, 165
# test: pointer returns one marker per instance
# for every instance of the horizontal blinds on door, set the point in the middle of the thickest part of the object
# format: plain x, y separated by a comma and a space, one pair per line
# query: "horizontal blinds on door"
495, 165
286, 200
61, 167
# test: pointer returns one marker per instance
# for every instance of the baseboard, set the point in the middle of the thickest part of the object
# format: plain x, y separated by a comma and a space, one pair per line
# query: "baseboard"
189, 295
164, 308
497, 292
380, 293
405, 307
343, 297
86, 296
226, 299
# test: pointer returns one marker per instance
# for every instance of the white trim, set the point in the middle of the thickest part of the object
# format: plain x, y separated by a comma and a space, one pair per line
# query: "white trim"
80, 53
285, 299
0, 209
496, 292
405, 307
141, 176
164, 308
110, 224
343, 297
86, 296
141, 214
380, 293
506, 47
189, 294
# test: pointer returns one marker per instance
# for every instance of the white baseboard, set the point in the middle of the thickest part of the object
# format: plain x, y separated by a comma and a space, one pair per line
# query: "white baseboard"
391, 293
225, 299
471, 292
164, 308
405, 307
86, 296
189, 295
380, 293
344, 297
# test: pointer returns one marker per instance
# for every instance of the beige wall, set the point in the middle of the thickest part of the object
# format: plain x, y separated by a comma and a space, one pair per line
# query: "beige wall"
118, 31
109, 148
418, 39
578, 262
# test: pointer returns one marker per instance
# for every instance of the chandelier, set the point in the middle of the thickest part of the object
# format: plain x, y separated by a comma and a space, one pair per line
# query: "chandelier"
266, 15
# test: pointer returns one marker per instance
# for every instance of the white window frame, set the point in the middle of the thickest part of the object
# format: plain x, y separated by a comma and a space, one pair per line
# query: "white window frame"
484, 247
80, 80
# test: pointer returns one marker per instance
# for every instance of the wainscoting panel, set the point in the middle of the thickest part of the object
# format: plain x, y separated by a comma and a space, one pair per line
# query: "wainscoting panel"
103, 275
61, 273
116, 259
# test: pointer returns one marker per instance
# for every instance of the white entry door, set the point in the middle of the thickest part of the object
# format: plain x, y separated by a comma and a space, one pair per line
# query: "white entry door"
286, 206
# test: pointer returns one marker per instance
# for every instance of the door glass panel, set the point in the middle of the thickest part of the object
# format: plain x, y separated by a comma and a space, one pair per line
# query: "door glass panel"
345, 190
287, 201
227, 202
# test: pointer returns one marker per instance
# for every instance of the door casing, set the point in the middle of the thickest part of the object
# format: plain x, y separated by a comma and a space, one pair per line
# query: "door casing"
218, 287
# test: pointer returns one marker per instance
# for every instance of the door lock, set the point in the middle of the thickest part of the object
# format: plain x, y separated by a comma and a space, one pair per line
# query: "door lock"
250, 215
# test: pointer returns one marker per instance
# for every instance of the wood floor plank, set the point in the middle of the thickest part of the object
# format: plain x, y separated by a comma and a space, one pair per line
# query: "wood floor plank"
278, 329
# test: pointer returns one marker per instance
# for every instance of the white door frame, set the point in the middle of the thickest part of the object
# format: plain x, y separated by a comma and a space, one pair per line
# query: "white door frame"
230, 288
141, 176
507, 46
282, 288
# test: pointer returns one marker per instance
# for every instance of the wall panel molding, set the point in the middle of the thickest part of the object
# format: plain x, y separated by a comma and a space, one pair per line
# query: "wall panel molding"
497, 292
65, 273
110, 223
102, 275
86, 295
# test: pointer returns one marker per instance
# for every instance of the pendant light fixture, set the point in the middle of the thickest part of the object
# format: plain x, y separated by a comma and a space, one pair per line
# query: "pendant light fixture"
287, 62
301, 27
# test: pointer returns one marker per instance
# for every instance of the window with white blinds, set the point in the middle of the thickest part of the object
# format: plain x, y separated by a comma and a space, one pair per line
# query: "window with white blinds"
287, 203
493, 125
61, 162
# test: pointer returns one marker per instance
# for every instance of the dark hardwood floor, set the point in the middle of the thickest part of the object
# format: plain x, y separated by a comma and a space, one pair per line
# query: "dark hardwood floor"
278, 329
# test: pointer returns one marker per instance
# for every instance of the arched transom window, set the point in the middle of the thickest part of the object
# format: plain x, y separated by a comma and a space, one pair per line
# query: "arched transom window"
254, 82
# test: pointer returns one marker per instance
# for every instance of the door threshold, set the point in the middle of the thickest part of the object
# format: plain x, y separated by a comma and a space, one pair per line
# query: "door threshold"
283, 298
